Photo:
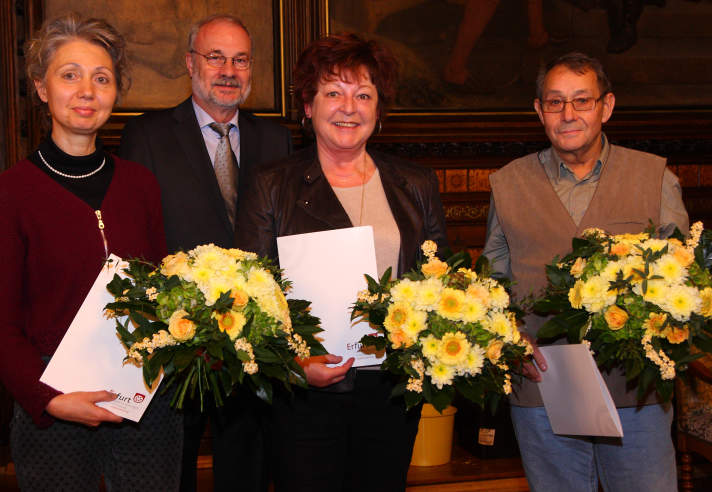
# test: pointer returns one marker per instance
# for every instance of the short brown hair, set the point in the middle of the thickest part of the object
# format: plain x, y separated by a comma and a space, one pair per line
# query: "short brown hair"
40, 50
331, 56
578, 63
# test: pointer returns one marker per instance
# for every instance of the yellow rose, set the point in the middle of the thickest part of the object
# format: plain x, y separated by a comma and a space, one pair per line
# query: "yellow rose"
678, 335
239, 298
620, 249
175, 264
494, 350
434, 268
578, 266
575, 294
399, 339
706, 296
181, 328
615, 317
480, 292
683, 256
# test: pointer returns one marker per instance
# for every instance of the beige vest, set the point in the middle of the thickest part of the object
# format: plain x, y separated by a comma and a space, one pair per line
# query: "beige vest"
538, 227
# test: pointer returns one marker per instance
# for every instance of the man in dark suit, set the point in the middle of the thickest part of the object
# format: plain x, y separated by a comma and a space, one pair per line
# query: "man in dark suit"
201, 179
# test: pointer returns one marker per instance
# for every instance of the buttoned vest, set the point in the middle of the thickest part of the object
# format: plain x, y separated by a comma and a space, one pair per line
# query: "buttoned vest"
538, 227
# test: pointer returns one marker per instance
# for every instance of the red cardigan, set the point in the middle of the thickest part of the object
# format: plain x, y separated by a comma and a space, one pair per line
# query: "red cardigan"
51, 251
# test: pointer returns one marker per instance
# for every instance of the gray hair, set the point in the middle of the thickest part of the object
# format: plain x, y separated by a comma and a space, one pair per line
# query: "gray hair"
40, 50
195, 28
579, 63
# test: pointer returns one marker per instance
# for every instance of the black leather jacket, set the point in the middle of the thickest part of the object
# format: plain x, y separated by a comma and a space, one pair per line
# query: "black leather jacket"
292, 196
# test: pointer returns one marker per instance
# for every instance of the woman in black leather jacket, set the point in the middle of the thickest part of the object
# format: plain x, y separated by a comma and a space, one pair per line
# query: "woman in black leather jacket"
344, 433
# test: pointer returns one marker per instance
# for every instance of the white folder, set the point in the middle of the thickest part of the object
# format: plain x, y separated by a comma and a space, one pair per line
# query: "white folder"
327, 268
576, 398
90, 356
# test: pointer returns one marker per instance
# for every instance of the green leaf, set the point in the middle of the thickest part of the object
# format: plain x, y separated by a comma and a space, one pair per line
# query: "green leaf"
263, 387
399, 389
265, 354
378, 342
184, 357
385, 278
471, 390
373, 286
552, 329
412, 399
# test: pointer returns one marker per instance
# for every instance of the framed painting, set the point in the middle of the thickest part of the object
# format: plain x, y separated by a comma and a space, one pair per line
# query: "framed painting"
460, 56
157, 34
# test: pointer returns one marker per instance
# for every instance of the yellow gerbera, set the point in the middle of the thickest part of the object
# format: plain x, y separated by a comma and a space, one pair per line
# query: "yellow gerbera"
454, 348
452, 303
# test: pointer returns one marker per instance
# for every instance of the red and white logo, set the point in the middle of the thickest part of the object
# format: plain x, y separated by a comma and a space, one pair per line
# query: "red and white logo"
138, 397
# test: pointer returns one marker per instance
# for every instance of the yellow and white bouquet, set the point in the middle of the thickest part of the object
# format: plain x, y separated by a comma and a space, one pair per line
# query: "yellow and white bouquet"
213, 318
639, 302
445, 328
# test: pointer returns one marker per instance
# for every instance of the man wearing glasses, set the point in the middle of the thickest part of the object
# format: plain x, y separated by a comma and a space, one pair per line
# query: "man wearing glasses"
202, 152
538, 203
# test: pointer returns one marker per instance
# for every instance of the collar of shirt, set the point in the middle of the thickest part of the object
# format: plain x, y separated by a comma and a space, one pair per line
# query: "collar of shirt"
557, 170
211, 138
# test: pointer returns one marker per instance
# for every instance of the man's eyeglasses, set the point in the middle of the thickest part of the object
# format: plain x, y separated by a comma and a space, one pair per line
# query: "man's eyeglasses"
579, 103
217, 60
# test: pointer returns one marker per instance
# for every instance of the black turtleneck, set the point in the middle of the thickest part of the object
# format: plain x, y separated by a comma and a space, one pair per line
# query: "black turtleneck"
91, 189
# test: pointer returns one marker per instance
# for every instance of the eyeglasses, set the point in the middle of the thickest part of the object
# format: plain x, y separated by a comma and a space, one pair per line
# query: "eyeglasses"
579, 104
217, 60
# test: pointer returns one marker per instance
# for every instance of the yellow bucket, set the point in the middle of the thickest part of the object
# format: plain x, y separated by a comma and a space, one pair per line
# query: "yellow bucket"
433, 444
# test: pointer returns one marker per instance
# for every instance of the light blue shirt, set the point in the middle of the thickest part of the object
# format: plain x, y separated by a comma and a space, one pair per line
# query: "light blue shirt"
212, 138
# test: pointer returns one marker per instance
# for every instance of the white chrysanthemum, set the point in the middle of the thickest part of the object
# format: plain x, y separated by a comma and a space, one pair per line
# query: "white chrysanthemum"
431, 347
474, 310
415, 323
441, 374
681, 301
259, 282
428, 294
405, 290
654, 244
499, 299
475, 360
210, 256
629, 267
670, 269
500, 324
595, 295
214, 287
610, 271
202, 276
655, 292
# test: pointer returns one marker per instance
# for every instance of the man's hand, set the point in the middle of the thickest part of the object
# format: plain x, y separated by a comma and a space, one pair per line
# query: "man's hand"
319, 374
79, 406
529, 370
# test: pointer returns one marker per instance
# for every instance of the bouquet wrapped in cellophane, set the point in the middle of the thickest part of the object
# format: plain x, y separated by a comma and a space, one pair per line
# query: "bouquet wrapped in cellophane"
212, 319
446, 328
640, 303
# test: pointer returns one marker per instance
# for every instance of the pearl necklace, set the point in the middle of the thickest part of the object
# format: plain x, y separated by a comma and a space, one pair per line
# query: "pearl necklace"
71, 176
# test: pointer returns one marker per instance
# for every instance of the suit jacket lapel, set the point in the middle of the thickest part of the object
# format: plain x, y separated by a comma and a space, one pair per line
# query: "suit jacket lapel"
191, 142
318, 200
